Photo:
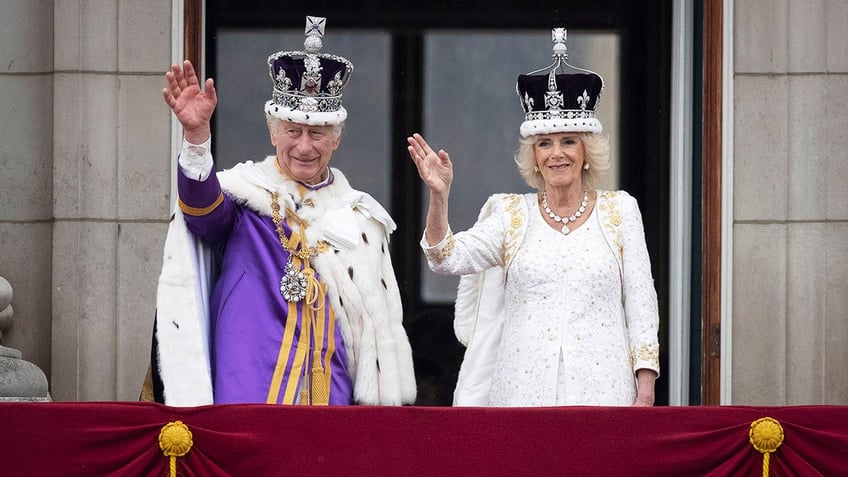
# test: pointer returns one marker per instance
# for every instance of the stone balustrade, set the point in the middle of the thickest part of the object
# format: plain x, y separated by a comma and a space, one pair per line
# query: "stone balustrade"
19, 380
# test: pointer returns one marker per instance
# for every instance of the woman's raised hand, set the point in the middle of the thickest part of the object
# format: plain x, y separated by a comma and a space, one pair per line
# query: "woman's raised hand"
436, 170
192, 106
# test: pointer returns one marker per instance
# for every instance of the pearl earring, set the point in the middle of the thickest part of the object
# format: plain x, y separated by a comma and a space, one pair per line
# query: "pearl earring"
586, 166
535, 168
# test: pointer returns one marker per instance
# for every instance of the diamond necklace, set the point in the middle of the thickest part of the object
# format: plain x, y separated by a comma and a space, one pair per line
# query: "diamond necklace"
565, 220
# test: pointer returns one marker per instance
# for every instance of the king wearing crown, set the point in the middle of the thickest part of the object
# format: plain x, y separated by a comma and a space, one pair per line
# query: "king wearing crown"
277, 286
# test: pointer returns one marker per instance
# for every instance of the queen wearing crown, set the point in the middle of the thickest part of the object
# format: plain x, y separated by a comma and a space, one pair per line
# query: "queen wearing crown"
556, 303
277, 286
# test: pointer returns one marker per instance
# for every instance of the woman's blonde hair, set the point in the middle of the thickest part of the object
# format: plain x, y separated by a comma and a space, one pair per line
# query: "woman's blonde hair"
596, 151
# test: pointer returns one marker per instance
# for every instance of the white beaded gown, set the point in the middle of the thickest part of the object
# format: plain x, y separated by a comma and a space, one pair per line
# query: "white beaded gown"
565, 338
566, 319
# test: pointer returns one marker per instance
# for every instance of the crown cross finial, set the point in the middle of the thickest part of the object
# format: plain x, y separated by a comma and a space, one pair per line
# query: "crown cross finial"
315, 26
314, 33
559, 35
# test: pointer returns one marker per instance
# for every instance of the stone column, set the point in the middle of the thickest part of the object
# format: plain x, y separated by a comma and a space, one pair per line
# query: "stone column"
19, 380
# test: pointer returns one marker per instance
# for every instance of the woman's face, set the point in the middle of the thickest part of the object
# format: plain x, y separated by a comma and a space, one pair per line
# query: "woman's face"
560, 158
303, 152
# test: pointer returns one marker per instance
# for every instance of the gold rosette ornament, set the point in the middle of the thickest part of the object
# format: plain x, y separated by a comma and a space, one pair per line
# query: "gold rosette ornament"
765, 435
175, 440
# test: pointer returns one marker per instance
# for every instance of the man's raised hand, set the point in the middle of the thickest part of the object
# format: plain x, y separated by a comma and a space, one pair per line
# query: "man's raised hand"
192, 105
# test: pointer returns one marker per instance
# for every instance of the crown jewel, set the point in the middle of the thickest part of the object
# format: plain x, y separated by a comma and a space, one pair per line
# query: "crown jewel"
308, 84
559, 102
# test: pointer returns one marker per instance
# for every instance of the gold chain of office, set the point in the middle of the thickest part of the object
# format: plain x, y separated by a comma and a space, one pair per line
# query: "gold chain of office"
303, 253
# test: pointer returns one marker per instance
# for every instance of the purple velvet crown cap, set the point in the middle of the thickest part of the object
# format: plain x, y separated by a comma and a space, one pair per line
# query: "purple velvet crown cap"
308, 84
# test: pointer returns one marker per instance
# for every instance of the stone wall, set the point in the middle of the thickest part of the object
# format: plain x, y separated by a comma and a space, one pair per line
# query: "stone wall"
26, 171
86, 184
790, 202
111, 192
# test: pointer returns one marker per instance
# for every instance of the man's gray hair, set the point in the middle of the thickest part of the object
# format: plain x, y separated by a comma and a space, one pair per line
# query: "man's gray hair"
274, 122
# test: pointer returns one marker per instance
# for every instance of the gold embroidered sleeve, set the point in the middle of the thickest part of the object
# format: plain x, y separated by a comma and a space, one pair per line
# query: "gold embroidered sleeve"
645, 356
516, 220
440, 252
613, 222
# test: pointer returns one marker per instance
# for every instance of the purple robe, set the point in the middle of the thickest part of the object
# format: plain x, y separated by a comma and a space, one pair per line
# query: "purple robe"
248, 315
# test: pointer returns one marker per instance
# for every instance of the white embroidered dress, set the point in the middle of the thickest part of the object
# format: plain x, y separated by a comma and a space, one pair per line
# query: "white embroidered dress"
579, 311
564, 338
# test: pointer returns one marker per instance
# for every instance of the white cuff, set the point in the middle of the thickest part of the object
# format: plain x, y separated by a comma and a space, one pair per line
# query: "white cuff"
196, 160
426, 247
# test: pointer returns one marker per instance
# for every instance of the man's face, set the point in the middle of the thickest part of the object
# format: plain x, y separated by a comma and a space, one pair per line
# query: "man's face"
303, 151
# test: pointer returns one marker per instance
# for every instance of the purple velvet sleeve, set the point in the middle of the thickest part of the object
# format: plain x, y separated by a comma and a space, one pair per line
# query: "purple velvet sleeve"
212, 224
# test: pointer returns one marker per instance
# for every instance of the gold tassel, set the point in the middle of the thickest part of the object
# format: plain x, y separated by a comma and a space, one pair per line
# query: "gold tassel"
320, 394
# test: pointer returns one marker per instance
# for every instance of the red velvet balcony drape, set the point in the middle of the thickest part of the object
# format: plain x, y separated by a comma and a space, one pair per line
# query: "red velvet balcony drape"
98, 439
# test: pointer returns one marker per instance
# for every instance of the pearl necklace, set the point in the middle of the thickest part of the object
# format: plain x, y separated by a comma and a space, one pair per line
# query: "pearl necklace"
565, 220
